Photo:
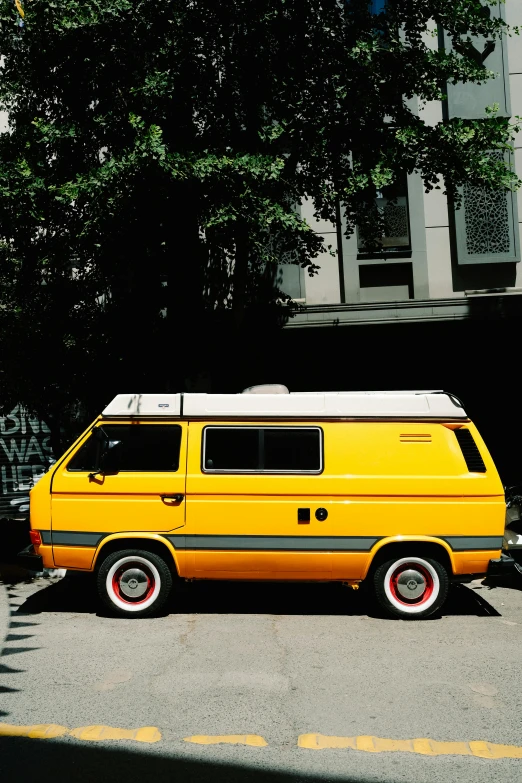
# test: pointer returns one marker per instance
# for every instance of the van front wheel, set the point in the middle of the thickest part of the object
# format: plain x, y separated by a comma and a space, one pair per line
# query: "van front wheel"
411, 587
134, 582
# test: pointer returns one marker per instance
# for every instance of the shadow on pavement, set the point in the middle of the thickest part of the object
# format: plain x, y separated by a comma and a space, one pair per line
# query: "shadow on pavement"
511, 581
48, 761
77, 593
18, 633
14, 534
464, 600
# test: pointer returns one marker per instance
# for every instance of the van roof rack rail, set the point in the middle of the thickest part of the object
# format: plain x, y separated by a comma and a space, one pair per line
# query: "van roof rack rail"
414, 404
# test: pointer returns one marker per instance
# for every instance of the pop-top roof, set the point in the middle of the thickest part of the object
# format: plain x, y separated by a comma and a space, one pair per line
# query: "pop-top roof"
357, 405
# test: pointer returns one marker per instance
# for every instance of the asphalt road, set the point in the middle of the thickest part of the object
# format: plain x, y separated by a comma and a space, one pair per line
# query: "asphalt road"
268, 663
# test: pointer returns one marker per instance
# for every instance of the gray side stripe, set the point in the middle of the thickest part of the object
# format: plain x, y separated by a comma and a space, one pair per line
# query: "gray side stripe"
316, 543
459, 543
275, 543
271, 543
70, 538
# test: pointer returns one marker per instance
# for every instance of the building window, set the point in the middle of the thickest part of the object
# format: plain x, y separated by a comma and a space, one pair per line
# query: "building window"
289, 280
378, 6
386, 282
393, 221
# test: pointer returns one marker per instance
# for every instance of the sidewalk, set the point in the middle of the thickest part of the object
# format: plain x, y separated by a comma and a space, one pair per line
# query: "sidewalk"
14, 535
5, 614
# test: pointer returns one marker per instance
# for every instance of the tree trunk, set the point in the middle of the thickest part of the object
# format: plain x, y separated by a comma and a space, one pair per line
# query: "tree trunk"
184, 293
240, 279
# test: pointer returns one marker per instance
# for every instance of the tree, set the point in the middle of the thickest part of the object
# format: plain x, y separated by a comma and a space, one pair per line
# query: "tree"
155, 154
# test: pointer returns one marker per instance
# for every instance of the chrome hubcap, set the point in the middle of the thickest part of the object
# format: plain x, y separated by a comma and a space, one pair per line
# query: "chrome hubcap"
411, 584
134, 583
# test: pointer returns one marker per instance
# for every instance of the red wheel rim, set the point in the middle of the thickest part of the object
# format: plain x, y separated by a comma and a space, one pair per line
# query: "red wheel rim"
116, 583
428, 590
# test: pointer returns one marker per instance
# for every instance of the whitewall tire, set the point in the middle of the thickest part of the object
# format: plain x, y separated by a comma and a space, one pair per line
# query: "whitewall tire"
134, 582
411, 587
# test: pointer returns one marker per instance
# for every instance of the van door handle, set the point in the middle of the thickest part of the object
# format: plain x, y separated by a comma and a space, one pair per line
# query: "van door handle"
178, 498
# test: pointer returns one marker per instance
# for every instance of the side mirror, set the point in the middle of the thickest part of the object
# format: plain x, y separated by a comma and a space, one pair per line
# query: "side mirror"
110, 458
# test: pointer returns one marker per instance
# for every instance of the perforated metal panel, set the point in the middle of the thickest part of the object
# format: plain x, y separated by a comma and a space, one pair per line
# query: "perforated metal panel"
486, 224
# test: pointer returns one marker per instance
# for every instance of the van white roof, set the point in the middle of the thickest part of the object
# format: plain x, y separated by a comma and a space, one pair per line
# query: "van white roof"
355, 405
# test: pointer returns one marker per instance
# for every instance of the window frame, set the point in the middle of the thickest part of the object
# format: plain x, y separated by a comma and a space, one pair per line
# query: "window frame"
390, 251
261, 471
121, 424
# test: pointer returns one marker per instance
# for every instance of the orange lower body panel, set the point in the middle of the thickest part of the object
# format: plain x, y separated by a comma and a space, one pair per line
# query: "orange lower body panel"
321, 566
46, 553
75, 557
262, 565
473, 562
248, 565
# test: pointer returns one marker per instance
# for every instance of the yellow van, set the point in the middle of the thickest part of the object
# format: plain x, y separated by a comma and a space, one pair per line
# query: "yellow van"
396, 489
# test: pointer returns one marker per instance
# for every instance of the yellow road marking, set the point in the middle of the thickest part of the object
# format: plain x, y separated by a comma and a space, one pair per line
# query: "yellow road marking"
365, 743
89, 733
37, 731
424, 746
228, 739
98, 733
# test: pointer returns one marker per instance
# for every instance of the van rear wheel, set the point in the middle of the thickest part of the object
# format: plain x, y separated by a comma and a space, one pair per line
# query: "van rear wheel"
411, 587
134, 582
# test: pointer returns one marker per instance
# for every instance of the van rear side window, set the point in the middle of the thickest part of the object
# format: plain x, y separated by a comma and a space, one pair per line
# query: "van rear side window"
262, 450
145, 448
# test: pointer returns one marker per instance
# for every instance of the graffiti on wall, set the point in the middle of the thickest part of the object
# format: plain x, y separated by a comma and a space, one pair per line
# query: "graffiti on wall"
25, 455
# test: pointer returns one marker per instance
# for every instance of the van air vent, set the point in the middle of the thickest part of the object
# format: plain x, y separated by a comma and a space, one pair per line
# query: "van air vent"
470, 451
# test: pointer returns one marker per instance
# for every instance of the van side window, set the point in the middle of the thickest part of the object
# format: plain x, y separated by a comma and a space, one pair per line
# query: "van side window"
145, 447
262, 450
294, 450
87, 457
231, 449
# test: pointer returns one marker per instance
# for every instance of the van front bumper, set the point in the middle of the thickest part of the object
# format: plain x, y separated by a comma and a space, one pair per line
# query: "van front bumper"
28, 558
501, 565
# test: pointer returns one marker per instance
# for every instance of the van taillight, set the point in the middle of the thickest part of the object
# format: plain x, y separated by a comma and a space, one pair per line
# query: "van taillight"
36, 538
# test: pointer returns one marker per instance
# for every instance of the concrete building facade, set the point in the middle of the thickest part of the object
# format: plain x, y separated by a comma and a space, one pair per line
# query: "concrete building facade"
436, 258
